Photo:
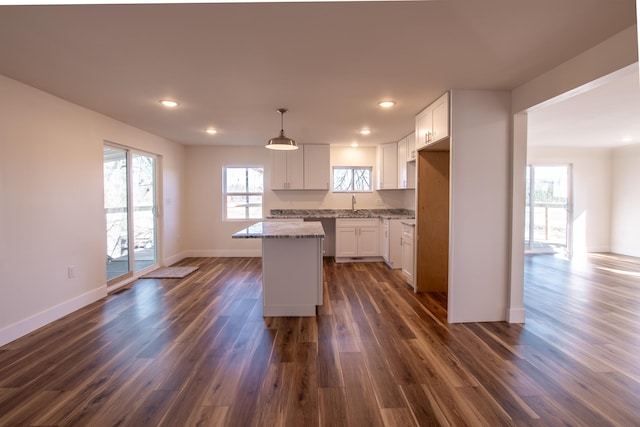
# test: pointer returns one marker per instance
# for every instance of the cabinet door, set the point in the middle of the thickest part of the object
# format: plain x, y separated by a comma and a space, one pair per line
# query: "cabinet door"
411, 147
385, 239
402, 163
424, 127
317, 169
278, 170
388, 166
407, 255
369, 241
440, 118
346, 242
295, 169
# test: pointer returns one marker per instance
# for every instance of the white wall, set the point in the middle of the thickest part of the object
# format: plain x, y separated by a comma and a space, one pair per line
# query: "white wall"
625, 201
51, 204
591, 192
588, 68
479, 206
209, 235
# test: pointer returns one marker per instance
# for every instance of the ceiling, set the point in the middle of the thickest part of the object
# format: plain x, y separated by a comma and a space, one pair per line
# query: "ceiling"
232, 65
605, 116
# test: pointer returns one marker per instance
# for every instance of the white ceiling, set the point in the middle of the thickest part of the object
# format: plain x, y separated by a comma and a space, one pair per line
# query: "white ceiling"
605, 116
232, 65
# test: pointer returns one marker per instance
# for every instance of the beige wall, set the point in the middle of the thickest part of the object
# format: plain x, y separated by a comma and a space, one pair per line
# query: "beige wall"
210, 235
625, 200
51, 204
591, 170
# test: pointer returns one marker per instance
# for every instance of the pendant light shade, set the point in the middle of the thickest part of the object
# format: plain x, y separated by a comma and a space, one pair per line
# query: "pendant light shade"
281, 142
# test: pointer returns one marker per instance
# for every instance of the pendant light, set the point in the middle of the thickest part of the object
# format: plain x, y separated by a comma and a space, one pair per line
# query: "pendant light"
282, 142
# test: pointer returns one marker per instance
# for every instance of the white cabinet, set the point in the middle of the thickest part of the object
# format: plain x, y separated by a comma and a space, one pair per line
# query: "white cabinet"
411, 147
432, 123
388, 166
357, 238
407, 252
391, 238
287, 170
317, 169
406, 168
402, 163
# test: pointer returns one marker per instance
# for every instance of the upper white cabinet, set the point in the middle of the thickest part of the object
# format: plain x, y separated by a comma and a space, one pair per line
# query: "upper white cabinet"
411, 146
402, 163
388, 166
406, 168
307, 168
287, 170
432, 123
317, 169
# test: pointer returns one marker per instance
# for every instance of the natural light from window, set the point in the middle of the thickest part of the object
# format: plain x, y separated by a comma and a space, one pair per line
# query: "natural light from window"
243, 188
351, 179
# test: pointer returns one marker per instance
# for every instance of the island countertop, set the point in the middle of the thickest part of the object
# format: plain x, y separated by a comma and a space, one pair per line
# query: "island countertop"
270, 230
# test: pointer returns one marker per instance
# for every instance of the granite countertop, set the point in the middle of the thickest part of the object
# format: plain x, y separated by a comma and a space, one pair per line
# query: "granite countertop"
342, 213
269, 230
408, 221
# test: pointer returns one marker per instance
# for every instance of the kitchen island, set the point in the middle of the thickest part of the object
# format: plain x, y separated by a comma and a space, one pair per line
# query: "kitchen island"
291, 266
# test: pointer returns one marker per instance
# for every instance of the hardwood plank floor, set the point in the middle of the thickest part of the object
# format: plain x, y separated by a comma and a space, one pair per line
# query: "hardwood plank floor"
197, 352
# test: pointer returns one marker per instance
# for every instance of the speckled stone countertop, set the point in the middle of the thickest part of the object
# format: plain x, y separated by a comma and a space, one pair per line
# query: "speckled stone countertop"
342, 213
270, 230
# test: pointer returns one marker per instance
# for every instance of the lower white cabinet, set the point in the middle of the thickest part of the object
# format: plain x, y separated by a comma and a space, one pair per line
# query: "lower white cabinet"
391, 237
357, 238
407, 252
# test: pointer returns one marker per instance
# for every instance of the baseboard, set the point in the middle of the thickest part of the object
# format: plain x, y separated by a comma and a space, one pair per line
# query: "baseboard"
175, 258
30, 324
359, 259
236, 253
515, 315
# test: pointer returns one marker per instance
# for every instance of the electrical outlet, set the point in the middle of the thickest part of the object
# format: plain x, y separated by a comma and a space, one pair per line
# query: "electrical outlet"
71, 271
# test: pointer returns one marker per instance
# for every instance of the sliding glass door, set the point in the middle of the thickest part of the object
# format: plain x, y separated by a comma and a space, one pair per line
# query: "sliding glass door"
130, 211
548, 210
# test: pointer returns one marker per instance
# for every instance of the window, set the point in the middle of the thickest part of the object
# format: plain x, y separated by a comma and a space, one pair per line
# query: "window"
243, 190
351, 179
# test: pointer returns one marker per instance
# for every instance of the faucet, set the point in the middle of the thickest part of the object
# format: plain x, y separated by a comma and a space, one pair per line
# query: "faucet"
353, 202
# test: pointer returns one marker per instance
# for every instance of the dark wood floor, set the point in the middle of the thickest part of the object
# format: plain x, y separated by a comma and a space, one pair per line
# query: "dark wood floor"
197, 351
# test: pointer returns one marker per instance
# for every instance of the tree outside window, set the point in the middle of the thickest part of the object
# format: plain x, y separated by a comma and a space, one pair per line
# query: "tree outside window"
351, 179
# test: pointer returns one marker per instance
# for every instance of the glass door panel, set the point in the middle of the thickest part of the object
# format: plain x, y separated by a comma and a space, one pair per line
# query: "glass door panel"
116, 210
143, 186
548, 208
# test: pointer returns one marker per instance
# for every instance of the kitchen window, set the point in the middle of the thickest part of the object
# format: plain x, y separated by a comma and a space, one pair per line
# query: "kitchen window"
243, 190
351, 179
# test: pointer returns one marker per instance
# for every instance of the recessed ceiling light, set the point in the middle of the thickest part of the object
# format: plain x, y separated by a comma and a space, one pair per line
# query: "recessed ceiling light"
169, 103
365, 131
354, 144
386, 104
627, 139
211, 131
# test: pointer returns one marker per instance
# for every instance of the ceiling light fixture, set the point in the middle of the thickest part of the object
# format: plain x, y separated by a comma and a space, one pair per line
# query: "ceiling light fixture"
211, 131
386, 104
282, 142
354, 144
169, 103
365, 132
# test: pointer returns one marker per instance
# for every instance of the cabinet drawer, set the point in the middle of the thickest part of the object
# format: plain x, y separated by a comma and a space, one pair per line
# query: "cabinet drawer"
357, 222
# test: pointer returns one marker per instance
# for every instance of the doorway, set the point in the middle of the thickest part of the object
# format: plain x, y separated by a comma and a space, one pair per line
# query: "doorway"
130, 211
548, 209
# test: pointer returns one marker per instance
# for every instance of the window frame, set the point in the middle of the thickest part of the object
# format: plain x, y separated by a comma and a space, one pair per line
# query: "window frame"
247, 194
352, 190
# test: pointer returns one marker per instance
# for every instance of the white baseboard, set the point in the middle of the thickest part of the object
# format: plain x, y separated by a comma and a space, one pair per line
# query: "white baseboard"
175, 258
515, 315
226, 253
30, 324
